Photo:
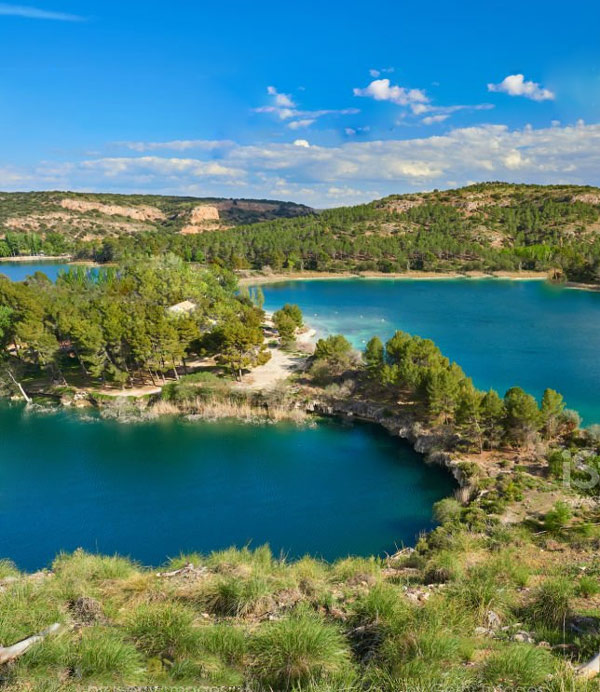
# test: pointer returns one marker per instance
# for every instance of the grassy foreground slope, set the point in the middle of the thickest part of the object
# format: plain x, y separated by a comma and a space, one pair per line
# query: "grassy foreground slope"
467, 610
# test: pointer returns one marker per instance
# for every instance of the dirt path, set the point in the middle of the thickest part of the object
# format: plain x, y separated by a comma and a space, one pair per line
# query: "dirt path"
132, 391
281, 365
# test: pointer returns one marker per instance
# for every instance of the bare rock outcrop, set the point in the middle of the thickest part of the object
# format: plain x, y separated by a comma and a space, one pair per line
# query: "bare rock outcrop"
202, 217
587, 198
142, 213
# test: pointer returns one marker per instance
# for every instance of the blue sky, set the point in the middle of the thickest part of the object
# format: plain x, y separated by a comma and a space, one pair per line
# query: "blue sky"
325, 103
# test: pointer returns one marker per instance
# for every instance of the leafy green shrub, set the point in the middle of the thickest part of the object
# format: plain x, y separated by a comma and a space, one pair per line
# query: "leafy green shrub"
557, 518
298, 651
447, 511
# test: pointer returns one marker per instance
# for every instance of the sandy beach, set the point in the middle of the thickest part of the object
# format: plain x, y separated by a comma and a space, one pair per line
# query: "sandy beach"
261, 279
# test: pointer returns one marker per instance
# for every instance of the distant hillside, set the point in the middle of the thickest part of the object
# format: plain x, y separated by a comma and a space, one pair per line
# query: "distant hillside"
486, 227
87, 216
491, 226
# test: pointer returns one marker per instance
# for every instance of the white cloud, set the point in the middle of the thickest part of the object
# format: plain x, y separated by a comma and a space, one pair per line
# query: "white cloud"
281, 100
352, 131
177, 145
379, 72
432, 119
383, 90
515, 85
284, 108
298, 124
156, 165
415, 100
321, 174
7, 9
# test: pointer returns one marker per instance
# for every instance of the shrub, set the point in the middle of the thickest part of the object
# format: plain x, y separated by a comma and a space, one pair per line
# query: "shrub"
298, 651
294, 312
557, 518
447, 511
285, 325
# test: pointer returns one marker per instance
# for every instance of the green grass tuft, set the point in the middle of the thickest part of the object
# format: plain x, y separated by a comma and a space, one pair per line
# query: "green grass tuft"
298, 651
164, 630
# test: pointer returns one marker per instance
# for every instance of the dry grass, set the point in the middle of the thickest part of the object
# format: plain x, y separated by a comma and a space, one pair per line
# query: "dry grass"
216, 408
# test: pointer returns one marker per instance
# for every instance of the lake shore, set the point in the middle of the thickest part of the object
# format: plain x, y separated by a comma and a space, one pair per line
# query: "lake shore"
262, 279
37, 258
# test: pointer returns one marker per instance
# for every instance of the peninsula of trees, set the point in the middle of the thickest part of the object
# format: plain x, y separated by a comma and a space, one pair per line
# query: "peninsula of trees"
126, 326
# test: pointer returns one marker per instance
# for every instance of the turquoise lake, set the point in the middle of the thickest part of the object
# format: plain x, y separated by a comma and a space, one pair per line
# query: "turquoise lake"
17, 271
502, 333
153, 490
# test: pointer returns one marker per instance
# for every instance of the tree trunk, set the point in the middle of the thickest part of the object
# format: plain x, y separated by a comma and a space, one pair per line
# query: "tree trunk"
81, 364
19, 386
9, 653
590, 669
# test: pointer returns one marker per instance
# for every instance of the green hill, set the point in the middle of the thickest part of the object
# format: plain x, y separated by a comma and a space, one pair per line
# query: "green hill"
483, 227
84, 217
493, 226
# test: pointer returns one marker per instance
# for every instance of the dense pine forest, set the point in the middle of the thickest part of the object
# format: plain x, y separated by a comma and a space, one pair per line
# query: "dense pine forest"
125, 326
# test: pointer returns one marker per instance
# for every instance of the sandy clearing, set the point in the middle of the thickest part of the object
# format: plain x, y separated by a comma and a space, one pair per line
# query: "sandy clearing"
281, 365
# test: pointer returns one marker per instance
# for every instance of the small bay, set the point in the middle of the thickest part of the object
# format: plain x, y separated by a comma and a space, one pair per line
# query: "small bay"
152, 490
19, 271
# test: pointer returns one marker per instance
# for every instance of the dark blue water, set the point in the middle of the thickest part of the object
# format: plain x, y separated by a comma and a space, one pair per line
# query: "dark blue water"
152, 490
18, 271
502, 333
